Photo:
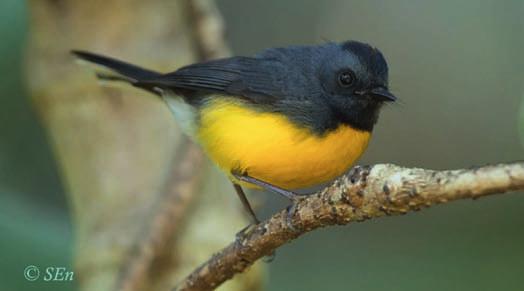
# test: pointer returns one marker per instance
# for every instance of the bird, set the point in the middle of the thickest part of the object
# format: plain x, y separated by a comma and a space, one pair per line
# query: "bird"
284, 119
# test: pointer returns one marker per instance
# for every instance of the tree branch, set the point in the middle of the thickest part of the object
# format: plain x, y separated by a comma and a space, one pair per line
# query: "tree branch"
165, 219
364, 193
154, 241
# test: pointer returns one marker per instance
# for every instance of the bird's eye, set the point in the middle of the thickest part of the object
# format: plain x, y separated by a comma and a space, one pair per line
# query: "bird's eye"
346, 78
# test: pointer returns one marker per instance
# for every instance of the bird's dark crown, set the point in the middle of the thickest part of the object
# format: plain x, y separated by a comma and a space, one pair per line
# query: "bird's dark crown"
370, 57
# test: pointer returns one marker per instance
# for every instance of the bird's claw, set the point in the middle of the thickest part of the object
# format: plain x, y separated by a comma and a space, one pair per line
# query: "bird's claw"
241, 235
290, 212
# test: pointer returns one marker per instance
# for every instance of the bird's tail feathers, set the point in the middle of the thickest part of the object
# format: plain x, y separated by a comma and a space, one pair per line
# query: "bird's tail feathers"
109, 69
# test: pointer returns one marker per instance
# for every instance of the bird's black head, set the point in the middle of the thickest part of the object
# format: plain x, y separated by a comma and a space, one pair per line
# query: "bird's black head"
354, 81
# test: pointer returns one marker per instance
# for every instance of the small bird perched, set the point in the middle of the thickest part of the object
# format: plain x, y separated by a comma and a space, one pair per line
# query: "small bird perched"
285, 119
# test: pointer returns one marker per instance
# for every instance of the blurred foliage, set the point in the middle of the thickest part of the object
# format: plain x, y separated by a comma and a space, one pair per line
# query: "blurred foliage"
34, 226
521, 121
26, 164
32, 235
459, 72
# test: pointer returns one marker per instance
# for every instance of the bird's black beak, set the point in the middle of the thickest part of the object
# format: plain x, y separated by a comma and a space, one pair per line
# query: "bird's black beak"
383, 94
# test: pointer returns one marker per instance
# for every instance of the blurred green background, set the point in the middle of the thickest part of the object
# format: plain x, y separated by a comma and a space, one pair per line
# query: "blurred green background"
459, 71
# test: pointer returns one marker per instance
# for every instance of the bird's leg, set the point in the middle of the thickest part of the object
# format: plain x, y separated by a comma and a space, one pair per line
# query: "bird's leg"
254, 220
270, 187
247, 206
294, 197
245, 203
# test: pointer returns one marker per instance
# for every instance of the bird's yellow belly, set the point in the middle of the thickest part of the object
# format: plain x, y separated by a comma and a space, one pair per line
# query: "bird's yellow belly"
267, 146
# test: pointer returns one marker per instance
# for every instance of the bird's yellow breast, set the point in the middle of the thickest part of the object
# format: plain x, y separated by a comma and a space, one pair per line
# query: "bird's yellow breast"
271, 148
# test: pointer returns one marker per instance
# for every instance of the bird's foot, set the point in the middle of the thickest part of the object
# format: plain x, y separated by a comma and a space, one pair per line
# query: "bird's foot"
242, 234
291, 210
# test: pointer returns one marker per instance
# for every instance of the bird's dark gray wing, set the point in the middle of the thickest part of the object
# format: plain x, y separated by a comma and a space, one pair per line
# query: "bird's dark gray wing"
261, 80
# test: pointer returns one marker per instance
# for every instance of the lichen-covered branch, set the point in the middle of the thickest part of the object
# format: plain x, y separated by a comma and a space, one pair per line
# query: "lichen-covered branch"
364, 193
